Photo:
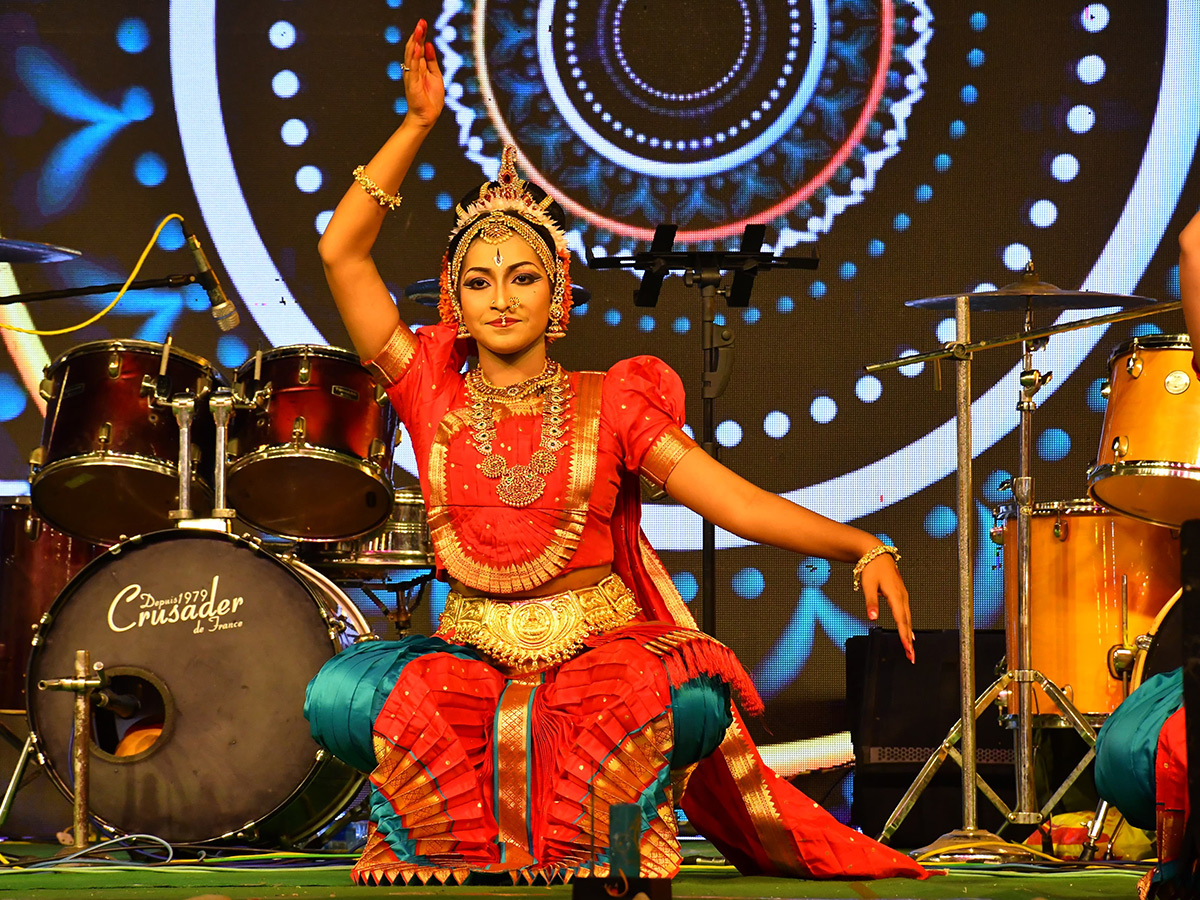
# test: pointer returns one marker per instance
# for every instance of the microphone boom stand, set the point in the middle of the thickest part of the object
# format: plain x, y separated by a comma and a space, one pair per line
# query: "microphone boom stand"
706, 269
169, 281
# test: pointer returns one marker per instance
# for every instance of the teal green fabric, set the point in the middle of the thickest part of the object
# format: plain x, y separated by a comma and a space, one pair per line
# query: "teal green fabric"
1127, 745
342, 702
702, 713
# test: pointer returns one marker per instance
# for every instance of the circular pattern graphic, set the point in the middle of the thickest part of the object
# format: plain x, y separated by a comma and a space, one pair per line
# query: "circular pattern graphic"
618, 114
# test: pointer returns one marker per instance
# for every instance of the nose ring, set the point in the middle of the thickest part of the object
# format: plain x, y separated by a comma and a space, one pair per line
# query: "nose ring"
514, 302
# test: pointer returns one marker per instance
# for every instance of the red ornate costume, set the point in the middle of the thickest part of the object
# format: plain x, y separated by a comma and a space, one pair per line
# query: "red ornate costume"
509, 760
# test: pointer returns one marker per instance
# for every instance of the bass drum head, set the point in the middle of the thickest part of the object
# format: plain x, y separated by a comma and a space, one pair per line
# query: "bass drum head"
217, 641
1166, 644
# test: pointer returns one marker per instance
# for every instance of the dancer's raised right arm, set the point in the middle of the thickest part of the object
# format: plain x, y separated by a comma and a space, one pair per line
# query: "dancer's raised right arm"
362, 298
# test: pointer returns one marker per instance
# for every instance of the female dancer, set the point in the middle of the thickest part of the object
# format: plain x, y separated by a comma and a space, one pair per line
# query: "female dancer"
566, 675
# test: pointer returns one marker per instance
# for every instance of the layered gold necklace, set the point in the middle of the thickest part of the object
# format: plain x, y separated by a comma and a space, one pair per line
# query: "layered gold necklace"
520, 485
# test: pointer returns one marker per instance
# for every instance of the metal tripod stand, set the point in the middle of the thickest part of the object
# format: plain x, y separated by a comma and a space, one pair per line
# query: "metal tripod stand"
970, 843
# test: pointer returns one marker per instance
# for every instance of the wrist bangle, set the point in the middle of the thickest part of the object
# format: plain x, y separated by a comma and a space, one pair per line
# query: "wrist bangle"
868, 557
374, 191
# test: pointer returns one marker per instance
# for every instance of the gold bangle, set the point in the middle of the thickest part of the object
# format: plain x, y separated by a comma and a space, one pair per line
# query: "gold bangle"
870, 555
374, 191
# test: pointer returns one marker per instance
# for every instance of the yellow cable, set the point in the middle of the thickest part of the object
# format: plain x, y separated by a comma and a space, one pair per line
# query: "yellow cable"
953, 847
121, 293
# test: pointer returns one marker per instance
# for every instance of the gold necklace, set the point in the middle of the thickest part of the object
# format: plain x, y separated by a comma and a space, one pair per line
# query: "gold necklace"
520, 485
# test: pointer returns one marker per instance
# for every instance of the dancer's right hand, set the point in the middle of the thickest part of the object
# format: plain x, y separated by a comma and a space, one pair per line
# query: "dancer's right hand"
424, 88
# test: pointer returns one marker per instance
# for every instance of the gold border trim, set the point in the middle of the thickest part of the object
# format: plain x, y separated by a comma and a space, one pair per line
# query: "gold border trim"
746, 770
389, 364
512, 776
680, 614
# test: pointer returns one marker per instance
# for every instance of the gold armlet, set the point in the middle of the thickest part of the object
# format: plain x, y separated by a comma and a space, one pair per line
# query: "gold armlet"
664, 455
390, 363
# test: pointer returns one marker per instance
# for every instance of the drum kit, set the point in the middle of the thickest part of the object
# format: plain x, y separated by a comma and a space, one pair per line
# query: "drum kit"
182, 565
1089, 583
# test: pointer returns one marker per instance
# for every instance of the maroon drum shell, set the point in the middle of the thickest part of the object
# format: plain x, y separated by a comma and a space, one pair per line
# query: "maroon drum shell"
128, 484
325, 428
36, 562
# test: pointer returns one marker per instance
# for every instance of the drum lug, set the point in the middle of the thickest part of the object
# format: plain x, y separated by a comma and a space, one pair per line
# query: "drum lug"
305, 370
105, 435
1105, 388
381, 397
377, 451
33, 528
1120, 446
36, 457
46, 389
299, 429
114, 365
1120, 660
1134, 365
1060, 529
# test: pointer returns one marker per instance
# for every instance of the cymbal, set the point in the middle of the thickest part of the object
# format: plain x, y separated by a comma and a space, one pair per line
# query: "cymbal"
427, 291
1029, 291
31, 252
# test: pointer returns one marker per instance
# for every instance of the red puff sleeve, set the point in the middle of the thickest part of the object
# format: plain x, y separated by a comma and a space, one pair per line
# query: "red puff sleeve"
643, 405
419, 369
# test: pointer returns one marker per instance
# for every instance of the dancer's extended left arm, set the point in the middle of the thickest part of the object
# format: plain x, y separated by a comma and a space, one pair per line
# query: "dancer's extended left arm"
731, 502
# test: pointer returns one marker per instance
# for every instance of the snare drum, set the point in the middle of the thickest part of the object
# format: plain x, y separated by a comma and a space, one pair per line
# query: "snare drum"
1148, 464
108, 465
208, 643
1079, 553
313, 461
402, 543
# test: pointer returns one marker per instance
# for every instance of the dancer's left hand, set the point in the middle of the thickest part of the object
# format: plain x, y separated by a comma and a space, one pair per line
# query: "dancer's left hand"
881, 578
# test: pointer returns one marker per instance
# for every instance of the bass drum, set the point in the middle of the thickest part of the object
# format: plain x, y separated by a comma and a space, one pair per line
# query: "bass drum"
1161, 650
208, 642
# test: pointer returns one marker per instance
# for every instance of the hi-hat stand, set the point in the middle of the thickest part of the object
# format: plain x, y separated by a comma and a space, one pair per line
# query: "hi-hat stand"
706, 269
970, 843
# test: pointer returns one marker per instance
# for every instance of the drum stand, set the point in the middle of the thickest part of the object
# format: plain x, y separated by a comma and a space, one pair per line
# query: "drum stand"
970, 843
88, 679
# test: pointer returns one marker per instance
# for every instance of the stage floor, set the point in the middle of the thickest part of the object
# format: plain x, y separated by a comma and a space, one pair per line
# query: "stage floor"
305, 879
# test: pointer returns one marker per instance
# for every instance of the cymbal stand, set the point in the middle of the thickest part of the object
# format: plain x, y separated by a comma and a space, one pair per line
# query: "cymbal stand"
18, 776
968, 843
971, 843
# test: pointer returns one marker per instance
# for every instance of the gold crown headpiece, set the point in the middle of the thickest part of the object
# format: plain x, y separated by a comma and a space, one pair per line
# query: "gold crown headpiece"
510, 193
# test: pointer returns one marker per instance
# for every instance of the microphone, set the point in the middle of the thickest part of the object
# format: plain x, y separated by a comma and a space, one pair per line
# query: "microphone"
223, 309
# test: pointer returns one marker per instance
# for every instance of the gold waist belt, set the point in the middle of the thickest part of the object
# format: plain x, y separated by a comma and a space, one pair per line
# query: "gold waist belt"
528, 635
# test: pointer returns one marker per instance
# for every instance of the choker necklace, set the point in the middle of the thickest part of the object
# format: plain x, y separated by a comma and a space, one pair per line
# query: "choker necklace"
519, 485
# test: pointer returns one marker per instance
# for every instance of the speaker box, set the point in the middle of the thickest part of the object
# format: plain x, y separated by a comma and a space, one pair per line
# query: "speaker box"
900, 713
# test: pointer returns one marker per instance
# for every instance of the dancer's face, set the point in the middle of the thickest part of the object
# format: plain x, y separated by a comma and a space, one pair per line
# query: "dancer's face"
492, 275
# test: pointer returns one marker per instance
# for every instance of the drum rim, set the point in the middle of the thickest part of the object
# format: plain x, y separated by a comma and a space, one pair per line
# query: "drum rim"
289, 451
327, 351
1152, 342
321, 760
1138, 468
1139, 663
1074, 507
135, 344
